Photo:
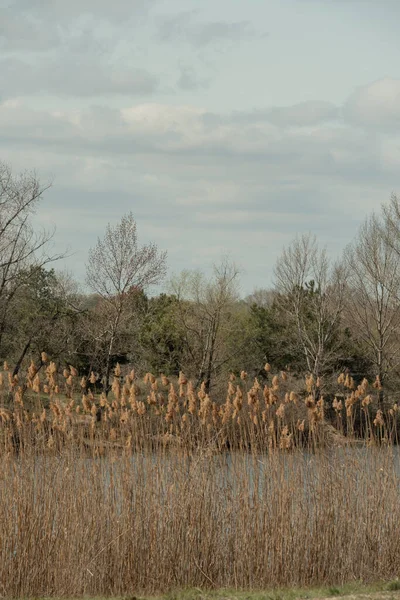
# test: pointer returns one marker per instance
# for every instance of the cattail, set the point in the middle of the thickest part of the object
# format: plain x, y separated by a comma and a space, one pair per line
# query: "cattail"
141, 408
280, 411
116, 388
377, 383
5, 366
32, 370
164, 380
283, 375
18, 396
86, 403
293, 397
36, 384
275, 382
267, 367
66, 373
243, 375
182, 380
232, 377
337, 404
117, 370
192, 403
285, 439
309, 402
341, 379
309, 383
202, 391
44, 357
379, 421
74, 372
152, 399
92, 378
366, 401
52, 368
266, 394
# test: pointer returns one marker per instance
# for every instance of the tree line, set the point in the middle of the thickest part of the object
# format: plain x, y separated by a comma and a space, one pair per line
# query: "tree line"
321, 316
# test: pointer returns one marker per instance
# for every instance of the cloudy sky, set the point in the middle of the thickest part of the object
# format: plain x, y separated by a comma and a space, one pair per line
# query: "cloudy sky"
225, 127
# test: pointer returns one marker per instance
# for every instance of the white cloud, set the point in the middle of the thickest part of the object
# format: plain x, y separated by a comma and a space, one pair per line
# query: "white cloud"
375, 105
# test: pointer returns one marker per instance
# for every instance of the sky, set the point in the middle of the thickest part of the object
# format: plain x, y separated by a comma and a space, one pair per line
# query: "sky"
225, 127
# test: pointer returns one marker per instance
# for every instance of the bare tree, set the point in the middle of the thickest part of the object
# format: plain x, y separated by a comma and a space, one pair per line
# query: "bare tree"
261, 297
311, 292
207, 311
23, 250
117, 266
373, 294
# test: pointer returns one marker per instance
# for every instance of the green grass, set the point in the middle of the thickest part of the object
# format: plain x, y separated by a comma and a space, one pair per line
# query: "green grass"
353, 589
378, 590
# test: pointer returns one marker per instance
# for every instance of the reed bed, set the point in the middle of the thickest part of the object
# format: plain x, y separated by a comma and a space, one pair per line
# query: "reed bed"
158, 487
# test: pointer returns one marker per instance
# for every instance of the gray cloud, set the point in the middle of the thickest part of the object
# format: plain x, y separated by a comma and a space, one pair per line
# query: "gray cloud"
304, 114
58, 11
166, 131
22, 32
184, 27
85, 77
241, 177
189, 80
57, 48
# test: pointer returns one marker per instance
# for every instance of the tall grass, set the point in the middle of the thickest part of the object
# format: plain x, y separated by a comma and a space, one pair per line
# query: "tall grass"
125, 495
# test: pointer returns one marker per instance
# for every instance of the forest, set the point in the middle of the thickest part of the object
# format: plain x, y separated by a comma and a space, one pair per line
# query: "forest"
321, 316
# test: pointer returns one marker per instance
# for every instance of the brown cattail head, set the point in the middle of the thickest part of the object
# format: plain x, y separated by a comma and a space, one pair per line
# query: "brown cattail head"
366, 401
379, 420
310, 383
377, 383
182, 380
117, 370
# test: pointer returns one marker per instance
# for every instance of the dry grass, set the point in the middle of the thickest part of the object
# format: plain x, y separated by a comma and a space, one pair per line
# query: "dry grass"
125, 495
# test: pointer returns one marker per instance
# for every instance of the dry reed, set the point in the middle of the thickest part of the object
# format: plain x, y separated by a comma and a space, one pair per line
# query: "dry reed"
158, 486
